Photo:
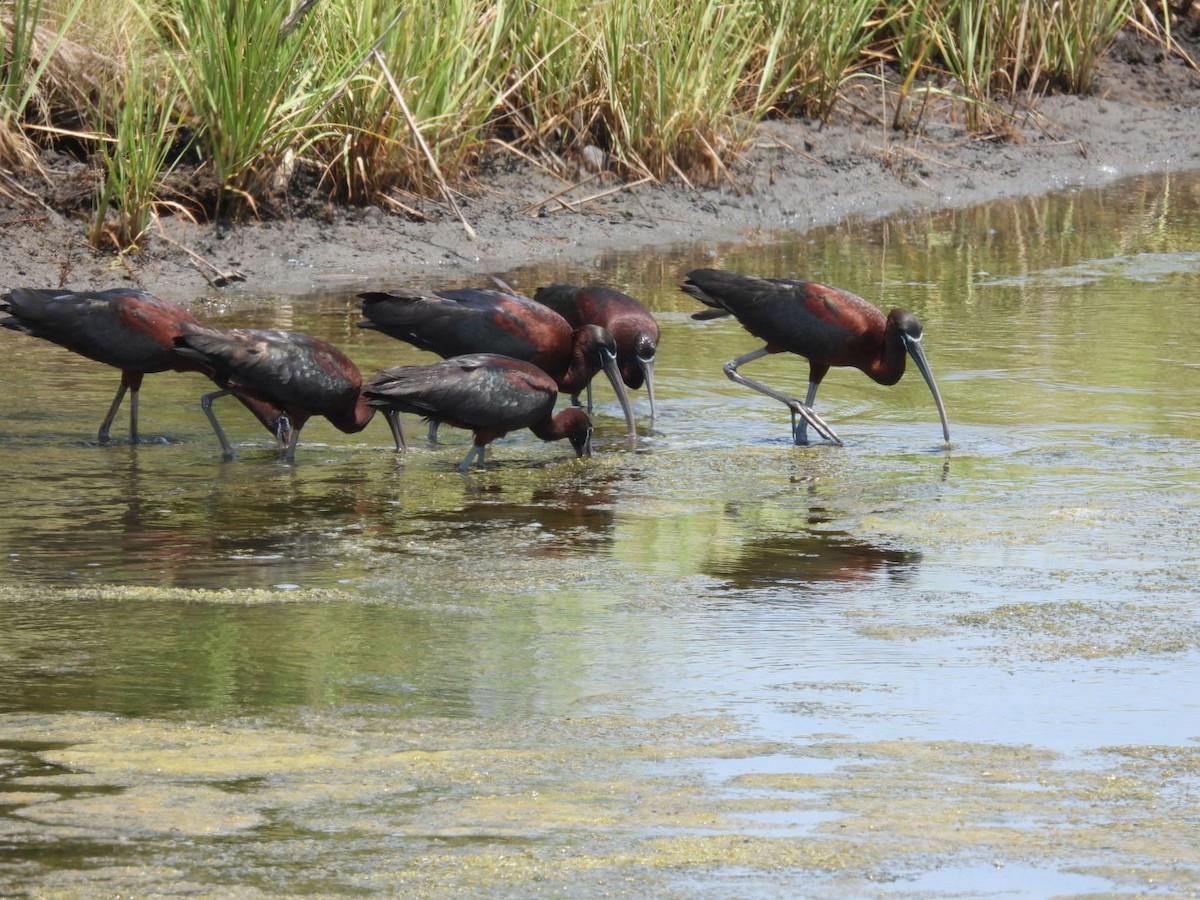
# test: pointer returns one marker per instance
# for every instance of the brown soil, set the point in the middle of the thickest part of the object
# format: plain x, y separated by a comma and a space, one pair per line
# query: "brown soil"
1143, 116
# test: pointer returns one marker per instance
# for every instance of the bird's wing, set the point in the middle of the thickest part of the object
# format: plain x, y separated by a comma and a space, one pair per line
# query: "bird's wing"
457, 322
129, 329
286, 366
472, 391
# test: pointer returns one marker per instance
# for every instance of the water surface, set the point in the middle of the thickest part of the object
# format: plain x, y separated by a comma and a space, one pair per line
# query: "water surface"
717, 664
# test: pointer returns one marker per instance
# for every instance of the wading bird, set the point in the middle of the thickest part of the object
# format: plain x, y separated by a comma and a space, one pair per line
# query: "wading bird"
484, 320
299, 374
133, 331
826, 325
488, 394
629, 322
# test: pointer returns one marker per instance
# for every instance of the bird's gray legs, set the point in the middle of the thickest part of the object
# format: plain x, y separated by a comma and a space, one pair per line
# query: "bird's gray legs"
206, 404
285, 435
802, 434
133, 416
795, 406
106, 425
393, 420
474, 453
433, 430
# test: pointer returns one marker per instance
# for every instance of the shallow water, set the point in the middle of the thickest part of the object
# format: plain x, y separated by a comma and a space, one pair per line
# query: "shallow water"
718, 664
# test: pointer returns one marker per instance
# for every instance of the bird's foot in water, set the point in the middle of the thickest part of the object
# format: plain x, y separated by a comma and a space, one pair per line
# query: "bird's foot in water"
802, 417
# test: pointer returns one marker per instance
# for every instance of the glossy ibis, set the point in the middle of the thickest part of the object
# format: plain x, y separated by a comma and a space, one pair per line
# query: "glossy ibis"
629, 322
486, 393
301, 375
826, 325
484, 320
131, 330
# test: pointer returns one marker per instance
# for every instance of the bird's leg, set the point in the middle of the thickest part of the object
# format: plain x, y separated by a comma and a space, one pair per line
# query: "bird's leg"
106, 425
797, 408
474, 453
393, 420
801, 436
133, 416
589, 398
433, 430
206, 403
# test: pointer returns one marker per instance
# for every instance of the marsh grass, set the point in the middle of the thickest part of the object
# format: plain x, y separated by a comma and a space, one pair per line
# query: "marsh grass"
382, 103
666, 101
814, 47
446, 62
245, 86
30, 36
135, 160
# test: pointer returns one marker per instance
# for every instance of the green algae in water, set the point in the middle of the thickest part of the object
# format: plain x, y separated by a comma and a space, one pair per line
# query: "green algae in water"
1088, 630
717, 663
588, 799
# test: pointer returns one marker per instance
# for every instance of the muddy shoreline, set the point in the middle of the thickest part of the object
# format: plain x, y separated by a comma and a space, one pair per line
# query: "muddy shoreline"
1144, 116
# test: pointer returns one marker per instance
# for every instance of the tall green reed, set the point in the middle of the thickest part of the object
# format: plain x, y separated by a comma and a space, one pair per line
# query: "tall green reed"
910, 40
447, 61
29, 36
134, 160
246, 88
669, 77
1074, 39
814, 47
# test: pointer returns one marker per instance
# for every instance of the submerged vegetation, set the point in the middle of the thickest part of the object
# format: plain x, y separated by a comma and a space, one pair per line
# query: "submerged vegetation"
224, 107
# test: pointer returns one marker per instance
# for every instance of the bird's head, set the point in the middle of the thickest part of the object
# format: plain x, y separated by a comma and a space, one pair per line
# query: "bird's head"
578, 428
646, 349
908, 325
599, 341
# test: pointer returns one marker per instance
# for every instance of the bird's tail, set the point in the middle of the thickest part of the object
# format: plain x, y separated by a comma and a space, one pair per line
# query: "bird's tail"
715, 310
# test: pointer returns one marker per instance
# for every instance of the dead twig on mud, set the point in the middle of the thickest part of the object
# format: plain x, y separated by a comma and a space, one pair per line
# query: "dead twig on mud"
18, 192
220, 277
533, 161
574, 205
410, 211
557, 195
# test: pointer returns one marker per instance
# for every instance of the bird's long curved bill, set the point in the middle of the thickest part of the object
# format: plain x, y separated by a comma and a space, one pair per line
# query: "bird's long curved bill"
614, 377
647, 367
918, 355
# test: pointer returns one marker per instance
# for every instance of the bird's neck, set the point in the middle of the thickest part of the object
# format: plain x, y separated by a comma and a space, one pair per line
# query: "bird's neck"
551, 428
555, 428
356, 417
887, 368
580, 369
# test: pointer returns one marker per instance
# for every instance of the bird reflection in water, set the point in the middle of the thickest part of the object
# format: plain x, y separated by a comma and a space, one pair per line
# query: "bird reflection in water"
194, 526
811, 558
568, 518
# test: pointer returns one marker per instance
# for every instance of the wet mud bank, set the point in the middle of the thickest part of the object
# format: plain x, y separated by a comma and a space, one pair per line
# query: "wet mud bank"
1142, 117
